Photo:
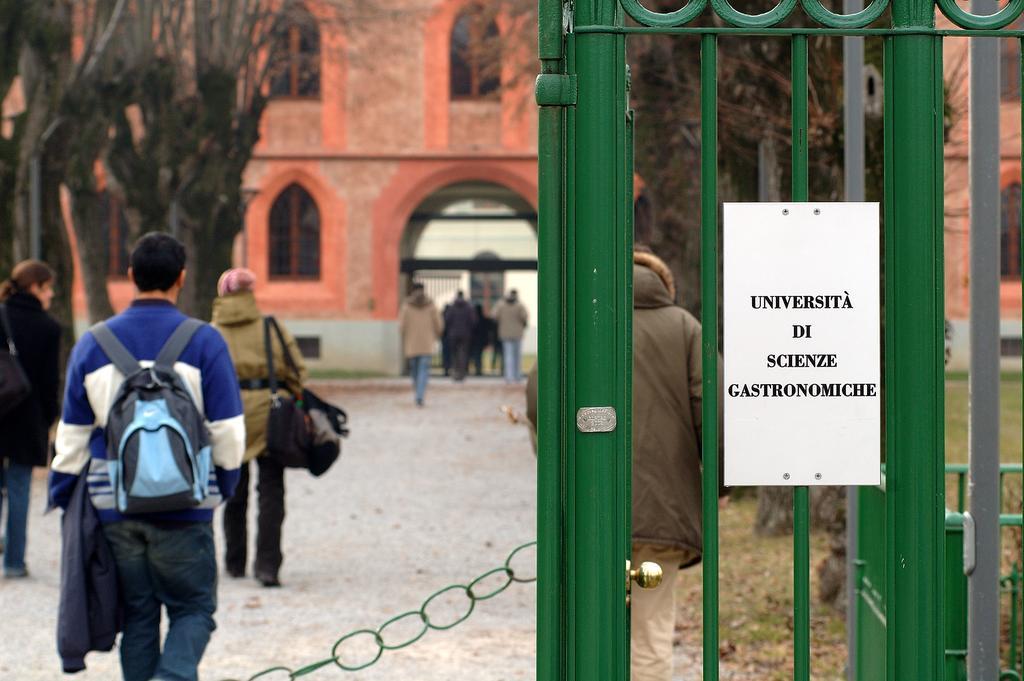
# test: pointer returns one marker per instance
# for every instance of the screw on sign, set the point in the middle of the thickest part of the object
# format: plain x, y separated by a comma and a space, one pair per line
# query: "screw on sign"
362, 648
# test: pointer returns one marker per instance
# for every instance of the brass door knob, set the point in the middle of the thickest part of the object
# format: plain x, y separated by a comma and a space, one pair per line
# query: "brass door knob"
647, 576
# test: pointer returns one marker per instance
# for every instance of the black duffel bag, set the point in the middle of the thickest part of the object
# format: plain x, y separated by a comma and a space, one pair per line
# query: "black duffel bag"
306, 435
14, 385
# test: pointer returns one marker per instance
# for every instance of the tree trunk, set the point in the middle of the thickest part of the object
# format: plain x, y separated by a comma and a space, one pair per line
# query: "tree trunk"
216, 233
93, 252
8, 175
828, 506
13, 16
774, 511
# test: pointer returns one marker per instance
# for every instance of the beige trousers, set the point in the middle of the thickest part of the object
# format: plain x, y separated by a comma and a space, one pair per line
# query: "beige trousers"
653, 616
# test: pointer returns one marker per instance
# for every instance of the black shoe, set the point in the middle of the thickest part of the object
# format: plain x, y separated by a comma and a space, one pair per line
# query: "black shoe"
268, 581
235, 573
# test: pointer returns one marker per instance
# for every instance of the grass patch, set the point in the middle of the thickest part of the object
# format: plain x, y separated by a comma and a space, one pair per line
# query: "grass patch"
756, 605
756, 573
1010, 435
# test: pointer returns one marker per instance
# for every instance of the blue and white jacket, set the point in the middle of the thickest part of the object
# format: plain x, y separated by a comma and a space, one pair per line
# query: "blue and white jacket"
92, 383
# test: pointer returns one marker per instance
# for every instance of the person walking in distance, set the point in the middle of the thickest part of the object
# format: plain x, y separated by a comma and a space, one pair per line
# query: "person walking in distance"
512, 318
446, 344
237, 317
420, 327
152, 414
33, 337
459, 322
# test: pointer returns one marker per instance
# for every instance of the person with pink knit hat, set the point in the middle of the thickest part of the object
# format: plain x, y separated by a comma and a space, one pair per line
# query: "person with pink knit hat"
235, 281
238, 318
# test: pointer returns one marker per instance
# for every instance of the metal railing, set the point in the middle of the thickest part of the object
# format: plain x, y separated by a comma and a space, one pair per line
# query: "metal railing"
346, 647
961, 471
870, 614
583, 175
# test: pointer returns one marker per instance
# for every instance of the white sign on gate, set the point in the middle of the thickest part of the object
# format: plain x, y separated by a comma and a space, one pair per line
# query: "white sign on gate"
802, 344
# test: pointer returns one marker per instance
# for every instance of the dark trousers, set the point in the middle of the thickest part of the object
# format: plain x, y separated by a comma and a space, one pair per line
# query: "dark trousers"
460, 358
269, 518
16, 485
497, 358
476, 359
446, 354
170, 566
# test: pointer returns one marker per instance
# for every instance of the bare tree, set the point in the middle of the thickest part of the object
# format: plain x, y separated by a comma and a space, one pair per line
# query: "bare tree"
53, 72
14, 18
194, 77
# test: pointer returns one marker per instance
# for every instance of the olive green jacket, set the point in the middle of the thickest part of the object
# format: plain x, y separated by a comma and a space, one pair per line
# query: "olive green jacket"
240, 322
667, 417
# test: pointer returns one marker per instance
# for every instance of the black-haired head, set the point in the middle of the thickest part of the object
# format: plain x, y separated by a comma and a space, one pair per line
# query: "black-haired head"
157, 262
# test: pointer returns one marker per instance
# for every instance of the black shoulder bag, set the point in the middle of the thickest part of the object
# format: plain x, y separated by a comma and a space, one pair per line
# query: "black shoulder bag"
14, 385
306, 436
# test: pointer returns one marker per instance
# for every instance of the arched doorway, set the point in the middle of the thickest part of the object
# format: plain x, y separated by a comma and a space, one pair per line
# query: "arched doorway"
477, 237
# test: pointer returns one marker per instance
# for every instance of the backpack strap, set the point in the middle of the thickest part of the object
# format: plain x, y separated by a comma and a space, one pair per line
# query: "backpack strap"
177, 343
115, 350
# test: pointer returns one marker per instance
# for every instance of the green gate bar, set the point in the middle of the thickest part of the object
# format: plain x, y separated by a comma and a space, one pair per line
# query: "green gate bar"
709, 342
914, 391
801, 504
597, 357
551, 123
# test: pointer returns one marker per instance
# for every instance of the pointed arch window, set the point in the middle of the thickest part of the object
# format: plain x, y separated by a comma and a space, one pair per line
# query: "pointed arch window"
294, 235
1009, 233
475, 55
297, 51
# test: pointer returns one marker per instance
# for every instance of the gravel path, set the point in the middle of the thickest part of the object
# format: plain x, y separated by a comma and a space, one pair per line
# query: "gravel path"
422, 498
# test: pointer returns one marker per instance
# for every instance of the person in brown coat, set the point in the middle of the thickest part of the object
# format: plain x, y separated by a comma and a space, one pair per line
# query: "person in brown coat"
237, 317
420, 326
667, 422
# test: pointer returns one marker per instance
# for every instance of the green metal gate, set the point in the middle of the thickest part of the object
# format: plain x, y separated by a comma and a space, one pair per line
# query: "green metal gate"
586, 312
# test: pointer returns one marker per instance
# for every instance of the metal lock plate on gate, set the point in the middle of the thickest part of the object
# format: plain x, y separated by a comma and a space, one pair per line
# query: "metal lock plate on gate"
595, 419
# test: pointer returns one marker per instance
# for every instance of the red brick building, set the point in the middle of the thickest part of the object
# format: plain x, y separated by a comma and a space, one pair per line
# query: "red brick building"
384, 126
957, 201
388, 123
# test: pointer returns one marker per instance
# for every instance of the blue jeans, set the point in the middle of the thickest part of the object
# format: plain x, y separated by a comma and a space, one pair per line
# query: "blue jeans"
419, 367
16, 485
512, 357
170, 566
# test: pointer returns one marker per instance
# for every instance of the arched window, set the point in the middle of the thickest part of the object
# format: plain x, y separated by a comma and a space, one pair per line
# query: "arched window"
486, 287
297, 53
295, 235
112, 215
475, 54
1009, 233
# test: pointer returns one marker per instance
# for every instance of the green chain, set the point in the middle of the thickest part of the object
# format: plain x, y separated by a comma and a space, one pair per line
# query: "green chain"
377, 634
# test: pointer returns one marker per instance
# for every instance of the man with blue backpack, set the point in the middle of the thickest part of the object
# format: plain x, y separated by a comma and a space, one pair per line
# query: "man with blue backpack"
153, 417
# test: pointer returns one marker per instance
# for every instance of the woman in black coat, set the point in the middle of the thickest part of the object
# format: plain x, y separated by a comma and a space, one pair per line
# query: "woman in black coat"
24, 431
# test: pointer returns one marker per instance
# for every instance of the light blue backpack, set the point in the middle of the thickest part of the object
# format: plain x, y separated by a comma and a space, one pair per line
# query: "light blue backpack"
158, 448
